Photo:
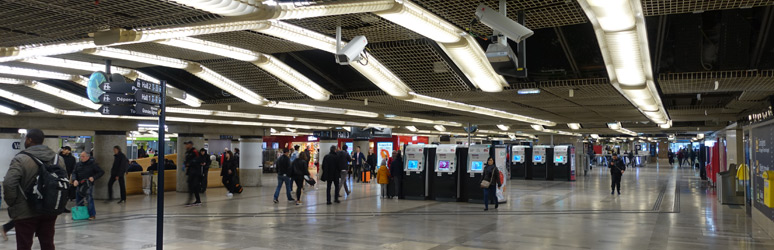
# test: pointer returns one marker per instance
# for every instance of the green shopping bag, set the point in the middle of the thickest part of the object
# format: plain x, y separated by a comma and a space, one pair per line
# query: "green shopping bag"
80, 213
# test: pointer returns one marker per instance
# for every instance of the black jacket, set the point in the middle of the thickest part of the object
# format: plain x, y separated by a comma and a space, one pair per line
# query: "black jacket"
84, 170
372, 161
193, 163
120, 164
283, 165
396, 167
300, 168
153, 167
69, 161
358, 156
330, 168
228, 165
134, 168
490, 170
343, 160
616, 166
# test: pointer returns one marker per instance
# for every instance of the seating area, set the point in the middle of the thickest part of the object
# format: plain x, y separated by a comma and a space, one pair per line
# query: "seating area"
134, 180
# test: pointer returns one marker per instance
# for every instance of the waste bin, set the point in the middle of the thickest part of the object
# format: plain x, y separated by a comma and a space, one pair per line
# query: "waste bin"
146, 182
727, 188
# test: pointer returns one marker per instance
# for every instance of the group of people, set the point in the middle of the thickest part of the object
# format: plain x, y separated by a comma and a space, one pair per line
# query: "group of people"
196, 166
292, 168
684, 155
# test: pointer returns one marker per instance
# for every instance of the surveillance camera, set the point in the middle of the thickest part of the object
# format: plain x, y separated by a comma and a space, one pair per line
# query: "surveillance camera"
351, 51
502, 24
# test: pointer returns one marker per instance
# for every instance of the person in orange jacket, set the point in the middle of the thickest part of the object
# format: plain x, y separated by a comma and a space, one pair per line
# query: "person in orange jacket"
383, 177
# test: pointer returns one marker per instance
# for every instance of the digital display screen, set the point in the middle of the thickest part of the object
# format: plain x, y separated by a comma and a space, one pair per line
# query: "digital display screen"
443, 165
383, 151
477, 165
275, 145
349, 147
538, 158
559, 159
413, 165
517, 158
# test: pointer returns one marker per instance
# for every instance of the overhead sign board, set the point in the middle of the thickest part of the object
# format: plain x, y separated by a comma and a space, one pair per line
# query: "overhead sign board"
139, 109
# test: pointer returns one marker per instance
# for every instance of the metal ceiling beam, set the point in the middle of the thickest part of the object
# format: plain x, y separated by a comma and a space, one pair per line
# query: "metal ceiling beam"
763, 37
567, 51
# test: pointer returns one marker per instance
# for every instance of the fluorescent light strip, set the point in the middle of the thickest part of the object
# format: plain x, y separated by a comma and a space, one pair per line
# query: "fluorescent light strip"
472, 61
620, 29
8, 54
122, 36
279, 10
618, 128
29, 102
138, 57
574, 125
51, 90
212, 48
417, 19
503, 127
87, 66
13, 81
374, 70
8, 111
441, 103
310, 108
34, 73
267, 117
426, 121
226, 84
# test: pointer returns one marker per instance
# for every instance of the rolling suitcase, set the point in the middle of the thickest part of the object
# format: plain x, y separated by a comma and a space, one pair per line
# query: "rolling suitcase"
391, 188
366, 177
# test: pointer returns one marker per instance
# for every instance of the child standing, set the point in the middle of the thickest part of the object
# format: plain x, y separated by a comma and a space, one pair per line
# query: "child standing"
383, 177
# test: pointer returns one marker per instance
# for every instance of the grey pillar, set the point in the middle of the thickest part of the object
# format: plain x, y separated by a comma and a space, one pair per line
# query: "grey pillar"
363, 144
198, 142
104, 141
250, 161
54, 143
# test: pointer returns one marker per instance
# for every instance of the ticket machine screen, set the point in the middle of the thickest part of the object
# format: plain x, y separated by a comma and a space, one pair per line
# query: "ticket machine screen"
477, 165
559, 159
413, 165
538, 158
443, 165
517, 158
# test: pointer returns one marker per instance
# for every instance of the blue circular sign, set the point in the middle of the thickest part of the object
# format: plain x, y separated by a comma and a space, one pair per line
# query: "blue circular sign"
92, 88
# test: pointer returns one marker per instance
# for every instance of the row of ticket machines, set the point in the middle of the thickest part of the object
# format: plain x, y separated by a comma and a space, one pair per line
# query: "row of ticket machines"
453, 173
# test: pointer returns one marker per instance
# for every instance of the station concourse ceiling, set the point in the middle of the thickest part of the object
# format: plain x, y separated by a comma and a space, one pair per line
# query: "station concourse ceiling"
713, 62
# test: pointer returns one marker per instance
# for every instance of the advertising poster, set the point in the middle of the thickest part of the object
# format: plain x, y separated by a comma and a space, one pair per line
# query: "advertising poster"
384, 150
8, 149
500, 157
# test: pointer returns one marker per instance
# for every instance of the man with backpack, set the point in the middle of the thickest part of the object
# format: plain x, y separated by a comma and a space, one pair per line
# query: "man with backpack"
33, 213
617, 168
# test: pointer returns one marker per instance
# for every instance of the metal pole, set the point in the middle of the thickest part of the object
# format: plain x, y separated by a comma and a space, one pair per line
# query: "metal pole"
108, 63
469, 134
162, 167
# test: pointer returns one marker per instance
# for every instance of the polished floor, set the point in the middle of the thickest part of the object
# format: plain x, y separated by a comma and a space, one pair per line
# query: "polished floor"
660, 208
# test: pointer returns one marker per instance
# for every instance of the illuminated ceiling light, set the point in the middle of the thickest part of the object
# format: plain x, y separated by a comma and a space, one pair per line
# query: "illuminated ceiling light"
8, 54
292, 77
29, 102
595, 136
574, 126
411, 128
421, 21
34, 73
14, 81
503, 127
212, 48
320, 109
614, 125
473, 63
666, 125
620, 29
48, 89
226, 84
420, 120
138, 57
441, 103
299, 35
291, 130
440, 128
700, 136
122, 36
528, 91
272, 130
537, 127
8, 111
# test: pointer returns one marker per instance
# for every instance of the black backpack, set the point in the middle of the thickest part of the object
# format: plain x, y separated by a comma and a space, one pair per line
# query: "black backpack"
48, 193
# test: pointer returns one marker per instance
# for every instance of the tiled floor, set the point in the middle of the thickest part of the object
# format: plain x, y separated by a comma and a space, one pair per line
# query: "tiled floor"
660, 208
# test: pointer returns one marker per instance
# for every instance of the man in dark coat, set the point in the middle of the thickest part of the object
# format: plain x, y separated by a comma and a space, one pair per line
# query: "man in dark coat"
193, 168
69, 161
617, 168
332, 174
343, 160
283, 176
117, 173
396, 171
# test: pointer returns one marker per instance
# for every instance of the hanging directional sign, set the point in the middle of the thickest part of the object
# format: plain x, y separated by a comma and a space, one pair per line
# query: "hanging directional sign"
144, 97
112, 98
139, 109
118, 87
147, 86
147, 110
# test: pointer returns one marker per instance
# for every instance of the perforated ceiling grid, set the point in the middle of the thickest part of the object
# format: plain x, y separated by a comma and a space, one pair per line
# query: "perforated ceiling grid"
41, 97
37, 21
704, 82
253, 78
666, 7
375, 28
415, 62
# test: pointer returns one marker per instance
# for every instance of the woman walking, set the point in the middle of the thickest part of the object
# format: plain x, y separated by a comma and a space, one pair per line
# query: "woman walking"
299, 170
228, 170
383, 177
490, 181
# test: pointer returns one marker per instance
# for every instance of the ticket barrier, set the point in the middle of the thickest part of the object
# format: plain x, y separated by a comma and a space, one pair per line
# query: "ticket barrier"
418, 166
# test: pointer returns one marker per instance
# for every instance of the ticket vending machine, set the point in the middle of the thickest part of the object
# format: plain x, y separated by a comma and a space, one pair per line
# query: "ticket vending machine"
471, 175
418, 164
446, 180
520, 160
564, 163
541, 162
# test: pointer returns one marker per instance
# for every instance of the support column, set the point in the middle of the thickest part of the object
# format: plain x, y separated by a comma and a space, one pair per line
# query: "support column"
198, 142
250, 161
54, 143
104, 141
363, 144
325, 148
